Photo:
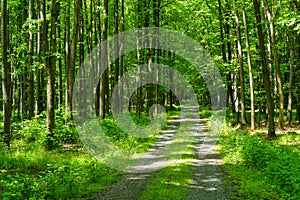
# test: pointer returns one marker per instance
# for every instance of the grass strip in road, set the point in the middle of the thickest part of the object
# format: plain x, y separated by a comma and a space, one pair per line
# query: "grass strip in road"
171, 182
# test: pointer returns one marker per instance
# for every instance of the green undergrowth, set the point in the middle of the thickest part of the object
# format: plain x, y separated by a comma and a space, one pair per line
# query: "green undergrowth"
260, 168
39, 174
29, 171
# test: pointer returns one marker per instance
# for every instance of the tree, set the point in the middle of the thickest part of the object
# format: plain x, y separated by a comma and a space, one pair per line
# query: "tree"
250, 69
291, 77
241, 67
50, 63
70, 70
104, 54
266, 73
270, 17
116, 48
6, 75
30, 63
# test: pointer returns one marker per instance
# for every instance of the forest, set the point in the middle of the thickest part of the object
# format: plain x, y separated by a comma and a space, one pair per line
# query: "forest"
135, 70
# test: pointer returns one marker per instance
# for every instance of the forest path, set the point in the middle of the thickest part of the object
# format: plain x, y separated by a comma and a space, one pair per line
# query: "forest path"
207, 171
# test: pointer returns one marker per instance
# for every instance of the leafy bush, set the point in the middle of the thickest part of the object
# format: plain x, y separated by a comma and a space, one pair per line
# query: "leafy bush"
57, 176
271, 168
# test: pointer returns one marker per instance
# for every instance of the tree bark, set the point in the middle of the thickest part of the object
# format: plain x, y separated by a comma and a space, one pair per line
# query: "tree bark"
266, 73
122, 56
241, 67
30, 63
229, 58
116, 48
38, 73
6, 75
71, 68
297, 54
291, 76
60, 71
270, 16
103, 81
250, 69
50, 64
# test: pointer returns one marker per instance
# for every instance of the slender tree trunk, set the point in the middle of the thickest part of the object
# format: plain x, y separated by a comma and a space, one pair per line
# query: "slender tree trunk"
122, 27
72, 59
60, 71
221, 31
30, 63
50, 70
116, 48
45, 45
139, 90
229, 58
81, 60
240, 56
260, 102
298, 80
156, 47
104, 54
250, 69
291, 76
297, 55
270, 16
38, 74
67, 59
6, 75
266, 72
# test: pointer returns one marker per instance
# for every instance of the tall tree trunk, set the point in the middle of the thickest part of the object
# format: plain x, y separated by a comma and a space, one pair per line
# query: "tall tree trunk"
270, 16
240, 56
221, 31
122, 27
139, 91
116, 48
229, 59
71, 67
104, 54
6, 75
156, 47
38, 73
250, 69
45, 45
291, 76
60, 70
81, 60
266, 72
298, 80
297, 55
30, 63
50, 70
67, 60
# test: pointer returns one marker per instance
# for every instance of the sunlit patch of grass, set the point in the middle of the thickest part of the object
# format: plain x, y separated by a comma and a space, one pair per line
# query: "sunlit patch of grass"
28, 170
52, 175
261, 168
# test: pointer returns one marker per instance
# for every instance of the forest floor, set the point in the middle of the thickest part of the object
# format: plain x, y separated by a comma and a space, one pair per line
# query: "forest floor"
206, 179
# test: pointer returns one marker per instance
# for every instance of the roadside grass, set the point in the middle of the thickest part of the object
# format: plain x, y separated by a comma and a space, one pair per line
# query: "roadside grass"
39, 174
260, 168
29, 171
